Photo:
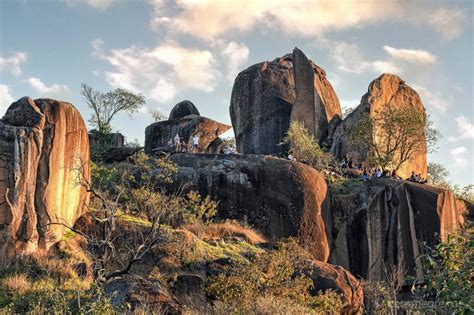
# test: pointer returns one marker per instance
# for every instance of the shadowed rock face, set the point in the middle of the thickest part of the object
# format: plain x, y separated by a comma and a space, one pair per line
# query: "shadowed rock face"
386, 222
183, 109
279, 197
263, 96
38, 173
385, 89
158, 134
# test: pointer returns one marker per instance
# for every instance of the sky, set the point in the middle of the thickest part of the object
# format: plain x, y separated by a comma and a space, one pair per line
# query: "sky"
171, 50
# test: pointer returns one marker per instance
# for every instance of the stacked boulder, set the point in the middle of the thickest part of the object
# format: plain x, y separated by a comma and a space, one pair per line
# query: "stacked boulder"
386, 89
185, 121
44, 151
267, 96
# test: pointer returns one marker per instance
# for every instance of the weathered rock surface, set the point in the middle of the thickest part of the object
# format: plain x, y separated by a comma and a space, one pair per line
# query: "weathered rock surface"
262, 99
215, 147
118, 154
183, 109
385, 222
330, 277
41, 144
159, 133
385, 89
115, 139
280, 198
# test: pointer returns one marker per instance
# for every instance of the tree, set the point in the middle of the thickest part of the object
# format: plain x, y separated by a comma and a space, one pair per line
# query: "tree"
157, 115
437, 175
304, 147
106, 105
394, 135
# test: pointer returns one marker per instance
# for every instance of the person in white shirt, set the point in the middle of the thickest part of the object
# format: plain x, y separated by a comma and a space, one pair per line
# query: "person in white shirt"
177, 143
195, 143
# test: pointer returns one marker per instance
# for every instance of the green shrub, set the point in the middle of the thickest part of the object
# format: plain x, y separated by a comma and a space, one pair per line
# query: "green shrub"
277, 274
304, 147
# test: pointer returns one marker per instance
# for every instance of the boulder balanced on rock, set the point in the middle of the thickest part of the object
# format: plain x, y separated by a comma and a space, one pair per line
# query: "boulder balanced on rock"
186, 122
266, 96
385, 89
43, 143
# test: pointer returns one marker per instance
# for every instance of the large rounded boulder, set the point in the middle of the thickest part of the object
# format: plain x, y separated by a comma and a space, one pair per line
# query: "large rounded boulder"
280, 198
263, 97
44, 151
385, 89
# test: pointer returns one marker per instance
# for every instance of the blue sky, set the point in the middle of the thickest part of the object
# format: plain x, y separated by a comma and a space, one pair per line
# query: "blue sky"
170, 50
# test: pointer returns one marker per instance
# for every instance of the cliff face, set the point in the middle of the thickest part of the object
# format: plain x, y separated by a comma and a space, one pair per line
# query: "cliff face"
383, 90
386, 223
263, 98
41, 145
279, 197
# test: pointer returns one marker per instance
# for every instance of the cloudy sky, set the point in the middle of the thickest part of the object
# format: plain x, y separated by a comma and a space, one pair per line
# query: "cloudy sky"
170, 50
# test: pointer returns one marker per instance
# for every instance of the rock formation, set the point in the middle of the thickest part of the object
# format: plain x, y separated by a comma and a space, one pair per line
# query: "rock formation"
279, 197
263, 97
115, 139
385, 222
330, 277
385, 89
158, 134
41, 145
183, 109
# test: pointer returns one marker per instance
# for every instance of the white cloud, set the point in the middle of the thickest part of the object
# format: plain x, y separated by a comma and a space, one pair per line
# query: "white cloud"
5, 98
96, 4
210, 19
459, 156
415, 56
13, 64
465, 129
233, 55
349, 58
163, 71
431, 98
59, 91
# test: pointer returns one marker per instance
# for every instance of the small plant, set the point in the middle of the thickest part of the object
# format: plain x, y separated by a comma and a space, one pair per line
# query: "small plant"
304, 147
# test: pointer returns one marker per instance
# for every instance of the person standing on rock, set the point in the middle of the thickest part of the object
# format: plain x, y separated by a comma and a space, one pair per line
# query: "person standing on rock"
195, 143
177, 143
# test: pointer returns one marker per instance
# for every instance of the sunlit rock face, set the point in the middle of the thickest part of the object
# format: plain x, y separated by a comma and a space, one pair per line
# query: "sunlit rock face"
385, 89
42, 145
263, 97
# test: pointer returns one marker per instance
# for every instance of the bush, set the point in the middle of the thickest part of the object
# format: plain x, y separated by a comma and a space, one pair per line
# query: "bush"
304, 147
272, 275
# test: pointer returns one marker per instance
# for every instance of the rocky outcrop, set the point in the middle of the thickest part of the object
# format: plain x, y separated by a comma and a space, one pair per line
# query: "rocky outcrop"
183, 109
385, 89
263, 97
215, 147
42, 144
280, 198
384, 223
99, 141
330, 277
186, 124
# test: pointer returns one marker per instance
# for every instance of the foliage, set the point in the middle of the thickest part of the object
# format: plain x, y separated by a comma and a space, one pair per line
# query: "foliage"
106, 105
304, 147
394, 135
276, 274
199, 210
449, 269
437, 175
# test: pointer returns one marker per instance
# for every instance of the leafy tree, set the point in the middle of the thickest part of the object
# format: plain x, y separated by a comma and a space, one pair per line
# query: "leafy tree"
157, 115
394, 135
106, 105
449, 270
304, 147
437, 175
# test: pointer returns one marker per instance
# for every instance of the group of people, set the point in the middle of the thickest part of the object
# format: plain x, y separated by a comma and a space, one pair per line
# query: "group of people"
417, 178
378, 173
179, 145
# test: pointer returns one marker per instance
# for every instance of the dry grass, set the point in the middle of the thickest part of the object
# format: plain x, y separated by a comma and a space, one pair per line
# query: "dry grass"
223, 230
17, 284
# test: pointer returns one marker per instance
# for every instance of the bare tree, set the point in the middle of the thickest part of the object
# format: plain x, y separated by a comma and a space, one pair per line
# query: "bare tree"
106, 105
